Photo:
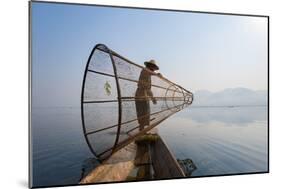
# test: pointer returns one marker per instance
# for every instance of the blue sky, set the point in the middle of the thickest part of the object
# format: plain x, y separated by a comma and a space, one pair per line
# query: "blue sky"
195, 50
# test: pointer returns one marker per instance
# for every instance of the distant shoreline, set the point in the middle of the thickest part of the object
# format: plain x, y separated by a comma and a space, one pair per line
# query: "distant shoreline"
226, 106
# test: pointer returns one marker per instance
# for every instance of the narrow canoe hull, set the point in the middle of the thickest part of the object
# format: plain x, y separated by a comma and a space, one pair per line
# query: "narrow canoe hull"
147, 160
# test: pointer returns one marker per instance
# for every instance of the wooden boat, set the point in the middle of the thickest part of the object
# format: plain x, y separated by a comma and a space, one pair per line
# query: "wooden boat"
147, 158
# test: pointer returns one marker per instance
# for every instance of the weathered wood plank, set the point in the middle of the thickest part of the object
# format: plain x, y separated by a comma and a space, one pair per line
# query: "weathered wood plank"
164, 163
116, 168
140, 157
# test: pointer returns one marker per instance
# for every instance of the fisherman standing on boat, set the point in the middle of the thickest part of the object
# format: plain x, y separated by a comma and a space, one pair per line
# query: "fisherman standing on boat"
144, 93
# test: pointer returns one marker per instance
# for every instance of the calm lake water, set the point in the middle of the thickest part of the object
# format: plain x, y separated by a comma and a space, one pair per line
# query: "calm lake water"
218, 140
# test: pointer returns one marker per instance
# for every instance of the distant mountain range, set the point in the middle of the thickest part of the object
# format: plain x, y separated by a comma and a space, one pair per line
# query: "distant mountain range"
230, 97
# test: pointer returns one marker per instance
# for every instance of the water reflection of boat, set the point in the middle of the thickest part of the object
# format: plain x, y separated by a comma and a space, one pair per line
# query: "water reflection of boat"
148, 157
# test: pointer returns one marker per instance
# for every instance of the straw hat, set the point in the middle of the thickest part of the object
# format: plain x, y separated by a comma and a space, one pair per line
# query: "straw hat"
151, 63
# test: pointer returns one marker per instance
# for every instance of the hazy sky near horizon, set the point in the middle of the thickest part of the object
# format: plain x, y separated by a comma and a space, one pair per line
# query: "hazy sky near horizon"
195, 50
